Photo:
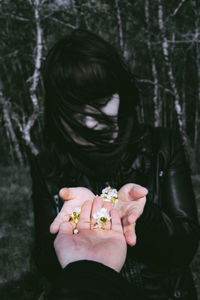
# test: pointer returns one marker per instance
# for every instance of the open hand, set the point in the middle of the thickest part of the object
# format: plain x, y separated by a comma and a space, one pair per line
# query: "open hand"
132, 200
107, 246
75, 197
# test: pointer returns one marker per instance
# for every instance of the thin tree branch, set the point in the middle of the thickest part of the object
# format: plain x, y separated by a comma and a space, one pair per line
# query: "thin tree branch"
5, 16
159, 85
63, 23
177, 9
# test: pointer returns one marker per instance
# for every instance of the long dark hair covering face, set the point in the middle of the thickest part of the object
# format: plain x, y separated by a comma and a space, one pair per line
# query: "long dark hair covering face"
83, 69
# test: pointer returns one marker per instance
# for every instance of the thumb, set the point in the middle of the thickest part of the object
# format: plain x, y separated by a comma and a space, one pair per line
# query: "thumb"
137, 192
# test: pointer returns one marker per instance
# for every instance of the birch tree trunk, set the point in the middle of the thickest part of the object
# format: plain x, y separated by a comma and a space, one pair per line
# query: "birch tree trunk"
119, 24
25, 128
184, 95
197, 106
10, 130
165, 49
153, 68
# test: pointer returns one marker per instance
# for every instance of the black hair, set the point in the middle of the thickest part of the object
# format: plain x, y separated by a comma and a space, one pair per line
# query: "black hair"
83, 69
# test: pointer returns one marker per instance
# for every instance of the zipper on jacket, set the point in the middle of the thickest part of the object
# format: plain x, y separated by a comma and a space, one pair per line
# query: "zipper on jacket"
56, 199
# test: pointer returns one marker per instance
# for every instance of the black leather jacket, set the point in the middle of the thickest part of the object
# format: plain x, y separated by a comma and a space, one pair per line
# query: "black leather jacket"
84, 280
168, 230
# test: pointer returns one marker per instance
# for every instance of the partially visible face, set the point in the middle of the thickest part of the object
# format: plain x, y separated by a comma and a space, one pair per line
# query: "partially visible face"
111, 108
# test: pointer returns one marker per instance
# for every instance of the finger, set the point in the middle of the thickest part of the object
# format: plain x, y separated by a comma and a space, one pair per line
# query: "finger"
84, 220
116, 224
108, 206
60, 218
66, 227
76, 192
129, 232
96, 206
66, 193
136, 209
137, 192
132, 218
70, 193
130, 235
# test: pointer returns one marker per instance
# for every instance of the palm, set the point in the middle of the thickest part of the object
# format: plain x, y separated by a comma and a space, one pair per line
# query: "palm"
75, 197
106, 246
96, 245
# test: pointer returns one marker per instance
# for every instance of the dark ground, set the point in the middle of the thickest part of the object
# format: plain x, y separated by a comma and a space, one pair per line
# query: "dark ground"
18, 278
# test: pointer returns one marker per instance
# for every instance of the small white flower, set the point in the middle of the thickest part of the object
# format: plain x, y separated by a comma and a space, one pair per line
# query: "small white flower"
109, 195
75, 231
101, 213
77, 210
75, 215
101, 218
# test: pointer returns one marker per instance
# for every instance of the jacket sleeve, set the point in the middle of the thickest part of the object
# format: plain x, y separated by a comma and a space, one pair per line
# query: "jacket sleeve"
168, 231
44, 214
91, 280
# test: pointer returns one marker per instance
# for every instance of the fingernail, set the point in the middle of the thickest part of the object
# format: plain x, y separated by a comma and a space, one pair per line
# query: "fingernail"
141, 189
62, 192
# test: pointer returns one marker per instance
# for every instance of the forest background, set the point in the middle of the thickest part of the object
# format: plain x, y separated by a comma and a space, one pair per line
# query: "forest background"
159, 39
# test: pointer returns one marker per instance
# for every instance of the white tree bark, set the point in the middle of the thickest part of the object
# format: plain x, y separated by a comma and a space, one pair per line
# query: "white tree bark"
184, 101
9, 128
38, 57
119, 23
197, 117
153, 68
165, 48
25, 128
177, 8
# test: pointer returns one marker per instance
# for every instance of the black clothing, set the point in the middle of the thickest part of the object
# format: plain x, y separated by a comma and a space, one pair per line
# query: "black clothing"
92, 281
168, 230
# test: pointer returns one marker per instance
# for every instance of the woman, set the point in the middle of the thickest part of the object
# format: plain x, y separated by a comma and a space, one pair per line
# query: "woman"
93, 139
